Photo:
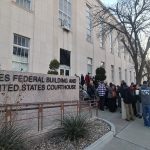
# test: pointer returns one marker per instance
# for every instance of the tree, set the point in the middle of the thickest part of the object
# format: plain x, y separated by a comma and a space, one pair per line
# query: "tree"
100, 74
53, 66
147, 70
131, 21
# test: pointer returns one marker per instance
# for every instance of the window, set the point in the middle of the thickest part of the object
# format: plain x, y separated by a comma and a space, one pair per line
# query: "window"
119, 47
65, 12
112, 73
62, 72
64, 57
130, 76
130, 59
89, 24
89, 65
126, 77
120, 75
20, 53
111, 42
125, 53
24, 3
64, 62
102, 64
134, 77
101, 36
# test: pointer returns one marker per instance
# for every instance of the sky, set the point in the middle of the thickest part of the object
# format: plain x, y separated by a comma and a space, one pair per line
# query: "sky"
109, 2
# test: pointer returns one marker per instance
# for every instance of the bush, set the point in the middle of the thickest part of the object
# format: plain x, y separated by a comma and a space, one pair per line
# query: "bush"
75, 127
100, 74
12, 137
53, 66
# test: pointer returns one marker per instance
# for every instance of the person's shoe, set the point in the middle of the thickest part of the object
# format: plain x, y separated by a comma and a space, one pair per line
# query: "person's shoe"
140, 117
137, 115
127, 120
132, 119
102, 109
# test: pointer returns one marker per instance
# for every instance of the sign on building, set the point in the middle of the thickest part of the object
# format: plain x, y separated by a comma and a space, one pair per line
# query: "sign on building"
20, 87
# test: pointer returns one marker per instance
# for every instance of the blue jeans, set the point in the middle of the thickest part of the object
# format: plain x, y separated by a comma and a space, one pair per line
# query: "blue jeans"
146, 115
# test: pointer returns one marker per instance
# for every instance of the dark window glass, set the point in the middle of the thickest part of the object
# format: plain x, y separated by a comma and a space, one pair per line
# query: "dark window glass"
15, 50
67, 73
19, 40
64, 57
27, 43
15, 39
26, 53
23, 42
19, 51
61, 71
22, 52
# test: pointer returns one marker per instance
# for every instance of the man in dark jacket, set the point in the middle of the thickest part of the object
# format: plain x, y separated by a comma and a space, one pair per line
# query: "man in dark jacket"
129, 95
145, 98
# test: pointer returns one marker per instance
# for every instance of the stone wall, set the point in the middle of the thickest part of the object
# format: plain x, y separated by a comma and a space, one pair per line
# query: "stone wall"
20, 87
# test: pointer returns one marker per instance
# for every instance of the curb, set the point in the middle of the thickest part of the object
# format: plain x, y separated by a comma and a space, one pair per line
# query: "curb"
101, 142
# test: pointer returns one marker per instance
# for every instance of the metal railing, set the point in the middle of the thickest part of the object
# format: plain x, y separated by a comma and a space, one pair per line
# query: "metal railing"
39, 111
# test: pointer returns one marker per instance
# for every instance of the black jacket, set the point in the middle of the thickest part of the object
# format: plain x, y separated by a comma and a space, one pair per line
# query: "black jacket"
129, 96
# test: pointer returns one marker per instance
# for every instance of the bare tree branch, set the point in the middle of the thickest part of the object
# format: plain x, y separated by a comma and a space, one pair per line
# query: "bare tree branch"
129, 18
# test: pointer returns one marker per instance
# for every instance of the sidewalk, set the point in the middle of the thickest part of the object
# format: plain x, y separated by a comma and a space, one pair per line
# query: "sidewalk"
129, 135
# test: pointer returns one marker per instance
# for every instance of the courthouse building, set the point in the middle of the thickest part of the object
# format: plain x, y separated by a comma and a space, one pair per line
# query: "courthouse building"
33, 32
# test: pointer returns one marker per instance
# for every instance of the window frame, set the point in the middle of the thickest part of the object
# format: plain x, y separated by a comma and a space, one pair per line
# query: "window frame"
130, 76
24, 5
111, 41
112, 73
126, 75
101, 35
119, 47
18, 58
89, 65
89, 19
120, 74
67, 14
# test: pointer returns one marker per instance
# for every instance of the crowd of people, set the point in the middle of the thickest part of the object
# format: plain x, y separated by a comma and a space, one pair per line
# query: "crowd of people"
113, 97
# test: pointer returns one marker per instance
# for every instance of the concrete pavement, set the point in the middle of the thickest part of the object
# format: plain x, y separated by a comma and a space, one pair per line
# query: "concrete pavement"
129, 135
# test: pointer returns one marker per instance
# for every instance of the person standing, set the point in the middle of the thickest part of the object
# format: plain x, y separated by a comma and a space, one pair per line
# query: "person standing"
139, 104
129, 95
87, 79
145, 98
82, 80
112, 102
123, 88
118, 97
110, 95
101, 93
134, 101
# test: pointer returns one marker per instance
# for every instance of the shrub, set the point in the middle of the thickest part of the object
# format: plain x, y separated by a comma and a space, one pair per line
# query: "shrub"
53, 66
75, 127
100, 74
12, 137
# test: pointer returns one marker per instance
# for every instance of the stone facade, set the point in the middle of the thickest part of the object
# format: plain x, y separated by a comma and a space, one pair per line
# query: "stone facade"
19, 87
46, 36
